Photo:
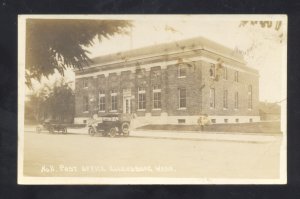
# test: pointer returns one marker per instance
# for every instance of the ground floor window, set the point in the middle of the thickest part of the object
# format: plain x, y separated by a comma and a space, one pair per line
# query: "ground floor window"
85, 103
250, 97
236, 100
101, 101
114, 103
225, 99
141, 98
182, 97
157, 100
142, 101
114, 100
212, 98
156, 97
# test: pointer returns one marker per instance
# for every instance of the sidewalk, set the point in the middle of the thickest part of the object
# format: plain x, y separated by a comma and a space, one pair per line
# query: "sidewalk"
224, 136
187, 135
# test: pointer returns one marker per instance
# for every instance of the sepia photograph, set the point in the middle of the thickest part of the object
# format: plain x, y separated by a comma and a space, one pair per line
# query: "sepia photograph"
152, 99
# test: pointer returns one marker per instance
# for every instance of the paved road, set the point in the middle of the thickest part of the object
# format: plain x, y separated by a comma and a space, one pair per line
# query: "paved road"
81, 155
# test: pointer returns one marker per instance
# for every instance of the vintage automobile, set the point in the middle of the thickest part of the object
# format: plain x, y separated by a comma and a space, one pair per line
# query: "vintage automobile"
52, 126
110, 125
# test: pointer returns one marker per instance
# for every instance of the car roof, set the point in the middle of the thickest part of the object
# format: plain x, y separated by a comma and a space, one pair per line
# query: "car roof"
110, 115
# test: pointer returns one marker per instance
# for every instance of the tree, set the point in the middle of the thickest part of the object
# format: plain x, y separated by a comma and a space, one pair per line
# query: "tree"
54, 102
56, 44
61, 102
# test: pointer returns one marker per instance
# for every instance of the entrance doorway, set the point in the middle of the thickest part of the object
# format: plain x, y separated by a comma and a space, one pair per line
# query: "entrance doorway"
127, 104
127, 101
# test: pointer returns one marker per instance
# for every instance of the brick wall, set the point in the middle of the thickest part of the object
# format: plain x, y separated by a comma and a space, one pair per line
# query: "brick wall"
197, 84
244, 80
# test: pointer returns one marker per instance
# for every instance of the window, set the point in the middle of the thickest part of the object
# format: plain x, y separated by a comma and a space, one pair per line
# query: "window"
212, 71
182, 97
181, 121
141, 98
85, 83
237, 120
225, 120
181, 71
250, 120
212, 98
213, 121
85, 103
156, 97
114, 100
101, 100
225, 73
250, 97
236, 76
225, 99
236, 100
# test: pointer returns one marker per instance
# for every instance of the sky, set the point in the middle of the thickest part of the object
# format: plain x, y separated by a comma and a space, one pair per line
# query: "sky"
261, 47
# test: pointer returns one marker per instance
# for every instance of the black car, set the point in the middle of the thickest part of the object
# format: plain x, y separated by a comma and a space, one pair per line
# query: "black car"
110, 125
52, 126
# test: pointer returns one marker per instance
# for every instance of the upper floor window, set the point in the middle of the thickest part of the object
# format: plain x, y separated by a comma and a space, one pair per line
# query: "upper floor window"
212, 71
182, 97
181, 71
212, 98
225, 73
250, 97
236, 76
85, 83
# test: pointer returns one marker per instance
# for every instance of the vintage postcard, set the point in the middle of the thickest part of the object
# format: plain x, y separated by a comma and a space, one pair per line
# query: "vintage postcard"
152, 99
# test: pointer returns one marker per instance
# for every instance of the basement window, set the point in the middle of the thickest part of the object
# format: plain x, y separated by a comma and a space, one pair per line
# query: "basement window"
181, 121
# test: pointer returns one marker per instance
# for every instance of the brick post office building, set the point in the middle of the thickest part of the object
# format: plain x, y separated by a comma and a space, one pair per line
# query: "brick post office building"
170, 83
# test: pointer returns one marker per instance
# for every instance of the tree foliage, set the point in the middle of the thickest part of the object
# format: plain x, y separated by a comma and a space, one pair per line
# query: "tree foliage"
56, 44
56, 102
276, 25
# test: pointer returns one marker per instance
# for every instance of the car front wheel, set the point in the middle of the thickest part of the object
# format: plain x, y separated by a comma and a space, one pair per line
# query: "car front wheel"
92, 131
64, 131
38, 129
125, 128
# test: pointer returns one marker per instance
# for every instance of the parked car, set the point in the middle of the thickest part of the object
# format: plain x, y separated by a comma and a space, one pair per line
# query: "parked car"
110, 125
52, 126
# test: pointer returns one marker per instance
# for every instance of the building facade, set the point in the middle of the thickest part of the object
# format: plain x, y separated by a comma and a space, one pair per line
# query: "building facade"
170, 83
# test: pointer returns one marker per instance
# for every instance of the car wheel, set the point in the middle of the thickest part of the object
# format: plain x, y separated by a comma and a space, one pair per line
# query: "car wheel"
38, 129
112, 132
65, 131
125, 128
51, 130
92, 131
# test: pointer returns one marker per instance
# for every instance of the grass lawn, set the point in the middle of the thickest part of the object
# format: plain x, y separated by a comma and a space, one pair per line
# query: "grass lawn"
255, 127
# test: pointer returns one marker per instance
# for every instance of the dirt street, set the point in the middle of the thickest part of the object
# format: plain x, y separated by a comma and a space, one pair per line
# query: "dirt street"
81, 155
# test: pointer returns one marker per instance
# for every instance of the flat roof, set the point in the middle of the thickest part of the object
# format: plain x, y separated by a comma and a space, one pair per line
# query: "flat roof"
164, 48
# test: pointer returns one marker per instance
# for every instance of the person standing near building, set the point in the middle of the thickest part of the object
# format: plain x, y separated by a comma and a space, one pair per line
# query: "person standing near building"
203, 120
